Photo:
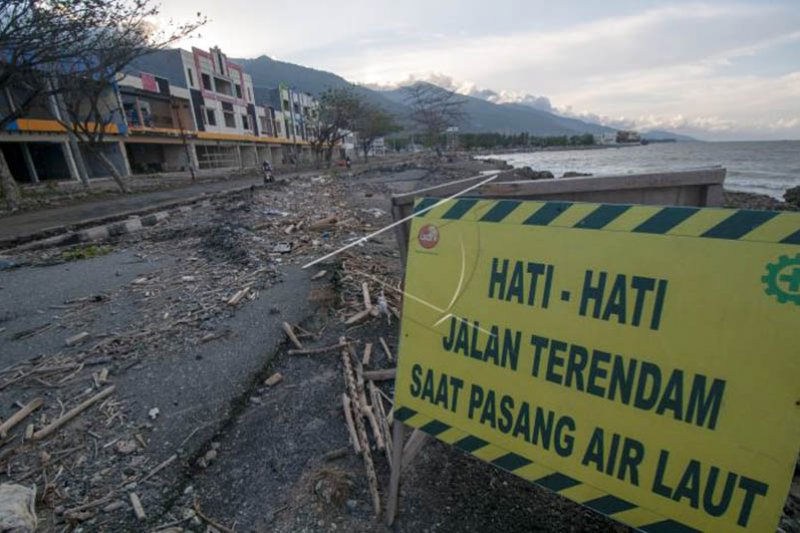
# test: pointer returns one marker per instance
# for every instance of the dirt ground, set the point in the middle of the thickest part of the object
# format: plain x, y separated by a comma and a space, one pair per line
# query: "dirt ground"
185, 319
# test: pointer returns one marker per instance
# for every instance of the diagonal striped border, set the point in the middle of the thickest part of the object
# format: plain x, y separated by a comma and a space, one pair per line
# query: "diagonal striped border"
606, 504
708, 223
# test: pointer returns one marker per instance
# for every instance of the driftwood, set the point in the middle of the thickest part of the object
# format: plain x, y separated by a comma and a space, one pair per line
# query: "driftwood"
369, 466
72, 413
322, 349
209, 521
274, 379
380, 414
159, 468
366, 410
358, 316
386, 349
292, 337
138, 509
365, 293
351, 428
323, 223
89, 505
380, 375
19, 416
338, 453
236, 298
367, 354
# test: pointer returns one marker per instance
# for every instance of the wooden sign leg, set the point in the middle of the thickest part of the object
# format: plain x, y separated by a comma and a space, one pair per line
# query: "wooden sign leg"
398, 436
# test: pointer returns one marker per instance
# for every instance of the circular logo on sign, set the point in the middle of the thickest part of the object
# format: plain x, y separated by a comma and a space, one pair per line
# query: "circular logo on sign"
782, 279
428, 236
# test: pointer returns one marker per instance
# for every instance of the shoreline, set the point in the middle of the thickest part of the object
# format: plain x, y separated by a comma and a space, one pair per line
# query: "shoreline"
532, 149
732, 198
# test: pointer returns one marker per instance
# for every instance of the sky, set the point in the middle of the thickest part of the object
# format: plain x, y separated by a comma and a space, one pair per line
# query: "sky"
717, 70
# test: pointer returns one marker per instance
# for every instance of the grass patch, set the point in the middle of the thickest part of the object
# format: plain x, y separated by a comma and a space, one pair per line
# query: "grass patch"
84, 252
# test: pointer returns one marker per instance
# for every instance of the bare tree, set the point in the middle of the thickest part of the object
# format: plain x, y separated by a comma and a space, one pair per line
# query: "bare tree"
336, 115
434, 109
49, 44
371, 123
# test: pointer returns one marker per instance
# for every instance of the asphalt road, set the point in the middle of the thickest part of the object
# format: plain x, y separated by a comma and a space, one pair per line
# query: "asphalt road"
33, 298
26, 223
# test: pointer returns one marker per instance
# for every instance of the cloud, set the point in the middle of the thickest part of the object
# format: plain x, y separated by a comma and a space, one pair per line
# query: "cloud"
691, 65
673, 66
469, 88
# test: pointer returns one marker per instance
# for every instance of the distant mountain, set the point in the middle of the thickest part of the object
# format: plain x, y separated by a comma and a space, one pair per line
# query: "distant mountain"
661, 135
268, 73
485, 116
482, 115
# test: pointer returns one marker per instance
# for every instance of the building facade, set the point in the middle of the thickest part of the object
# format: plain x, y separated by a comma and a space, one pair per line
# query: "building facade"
177, 110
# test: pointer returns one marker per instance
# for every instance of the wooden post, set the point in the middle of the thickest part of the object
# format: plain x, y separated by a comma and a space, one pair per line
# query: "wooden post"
398, 434
415, 443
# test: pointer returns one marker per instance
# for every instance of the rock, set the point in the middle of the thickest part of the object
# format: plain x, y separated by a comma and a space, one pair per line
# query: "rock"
792, 196
571, 174
206, 460
17, 508
126, 447
6, 264
352, 505
530, 174
153, 413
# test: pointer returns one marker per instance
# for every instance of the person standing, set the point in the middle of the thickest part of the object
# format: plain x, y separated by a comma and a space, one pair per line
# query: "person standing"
266, 167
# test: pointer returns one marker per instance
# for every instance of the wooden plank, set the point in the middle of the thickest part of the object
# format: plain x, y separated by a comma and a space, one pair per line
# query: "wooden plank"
398, 434
72, 413
380, 375
19, 416
690, 177
692, 187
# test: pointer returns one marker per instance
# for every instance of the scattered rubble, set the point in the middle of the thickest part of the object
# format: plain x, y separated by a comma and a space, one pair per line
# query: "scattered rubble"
90, 454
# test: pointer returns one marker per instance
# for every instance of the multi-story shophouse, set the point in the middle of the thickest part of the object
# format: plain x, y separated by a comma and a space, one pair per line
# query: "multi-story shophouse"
179, 109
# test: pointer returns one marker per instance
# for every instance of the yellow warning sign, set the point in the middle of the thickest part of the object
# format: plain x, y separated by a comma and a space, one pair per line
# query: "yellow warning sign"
642, 361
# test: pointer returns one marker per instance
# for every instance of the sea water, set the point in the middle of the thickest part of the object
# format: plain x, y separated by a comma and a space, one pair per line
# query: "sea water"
762, 167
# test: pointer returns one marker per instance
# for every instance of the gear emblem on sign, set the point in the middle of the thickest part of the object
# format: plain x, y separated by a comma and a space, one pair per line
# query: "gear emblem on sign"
782, 279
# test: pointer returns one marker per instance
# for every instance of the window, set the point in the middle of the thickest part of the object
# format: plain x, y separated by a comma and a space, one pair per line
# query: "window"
211, 118
207, 82
266, 126
223, 86
238, 91
245, 122
227, 112
250, 94
191, 77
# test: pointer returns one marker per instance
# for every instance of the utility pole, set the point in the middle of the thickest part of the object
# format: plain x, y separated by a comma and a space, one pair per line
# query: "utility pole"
175, 107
